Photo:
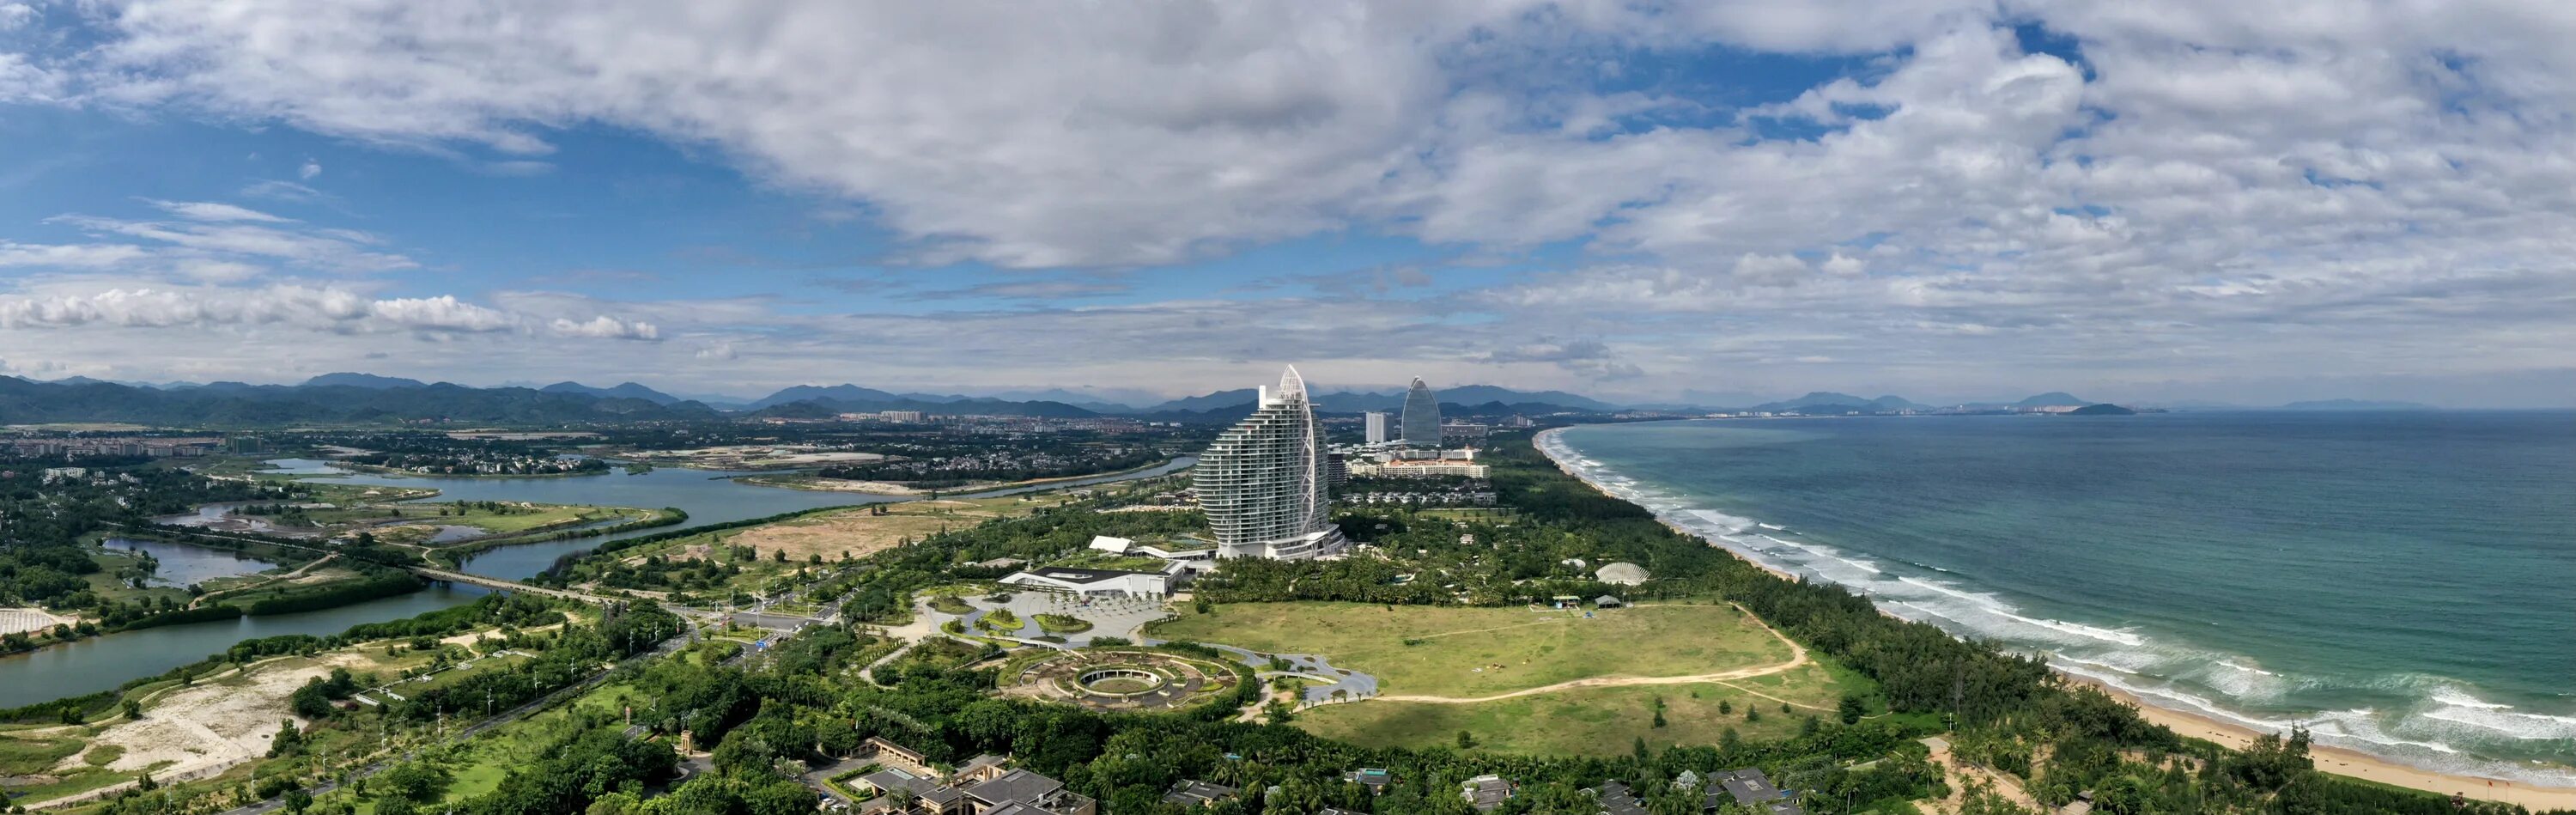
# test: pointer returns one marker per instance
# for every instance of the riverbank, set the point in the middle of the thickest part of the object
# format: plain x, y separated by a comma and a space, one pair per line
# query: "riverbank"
2336, 760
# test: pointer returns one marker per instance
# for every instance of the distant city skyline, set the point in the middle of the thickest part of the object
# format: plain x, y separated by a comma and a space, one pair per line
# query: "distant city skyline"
1953, 199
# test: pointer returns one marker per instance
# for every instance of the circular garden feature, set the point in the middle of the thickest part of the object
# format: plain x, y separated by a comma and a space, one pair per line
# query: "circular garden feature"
1118, 678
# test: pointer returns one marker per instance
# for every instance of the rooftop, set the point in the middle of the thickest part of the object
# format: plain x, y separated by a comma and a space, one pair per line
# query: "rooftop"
1192, 791
1016, 786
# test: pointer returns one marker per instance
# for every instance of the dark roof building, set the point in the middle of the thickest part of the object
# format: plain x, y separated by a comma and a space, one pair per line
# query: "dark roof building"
1617, 800
1191, 791
1748, 786
1486, 792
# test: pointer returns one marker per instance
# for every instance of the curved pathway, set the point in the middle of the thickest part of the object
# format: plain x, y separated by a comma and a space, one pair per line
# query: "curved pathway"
1797, 658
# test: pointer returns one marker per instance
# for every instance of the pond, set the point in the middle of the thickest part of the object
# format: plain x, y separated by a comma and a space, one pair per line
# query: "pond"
183, 564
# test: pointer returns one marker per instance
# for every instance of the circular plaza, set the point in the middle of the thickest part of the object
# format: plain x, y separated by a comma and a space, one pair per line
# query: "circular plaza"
1118, 679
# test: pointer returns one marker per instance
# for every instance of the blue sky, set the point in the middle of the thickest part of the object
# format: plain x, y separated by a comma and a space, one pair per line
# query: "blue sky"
1937, 198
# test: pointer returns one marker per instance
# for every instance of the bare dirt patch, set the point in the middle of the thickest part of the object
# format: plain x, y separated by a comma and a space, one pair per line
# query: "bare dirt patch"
211, 725
860, 533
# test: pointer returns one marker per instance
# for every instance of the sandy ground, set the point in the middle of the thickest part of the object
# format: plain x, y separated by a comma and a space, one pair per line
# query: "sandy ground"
858, 532
210, 725
2362, 765
869, 487
2004, 785
13, 620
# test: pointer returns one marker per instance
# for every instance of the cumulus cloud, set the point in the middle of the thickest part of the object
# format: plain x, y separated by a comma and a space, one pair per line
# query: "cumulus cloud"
2262, 186
606, 327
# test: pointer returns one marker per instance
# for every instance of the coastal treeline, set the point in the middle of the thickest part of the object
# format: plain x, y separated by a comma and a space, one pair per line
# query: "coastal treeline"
2008, 712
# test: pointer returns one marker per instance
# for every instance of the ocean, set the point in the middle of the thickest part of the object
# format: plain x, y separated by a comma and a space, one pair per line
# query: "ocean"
2403, 584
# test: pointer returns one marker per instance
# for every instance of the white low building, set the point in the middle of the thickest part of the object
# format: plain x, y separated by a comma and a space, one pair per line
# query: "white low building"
1123, 546
1092, 582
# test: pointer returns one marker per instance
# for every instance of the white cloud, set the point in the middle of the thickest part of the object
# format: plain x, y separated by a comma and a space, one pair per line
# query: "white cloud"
309, 170
2251, 187
227, 231
606, 327
326, 309
441, 313
215, 211
68, 256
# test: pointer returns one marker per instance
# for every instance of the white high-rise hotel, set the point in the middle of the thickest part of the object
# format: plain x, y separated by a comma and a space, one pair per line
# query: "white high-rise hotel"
1381, 427
1262, 483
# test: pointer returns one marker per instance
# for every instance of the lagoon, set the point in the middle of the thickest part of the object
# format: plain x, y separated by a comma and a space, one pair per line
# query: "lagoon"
710, 497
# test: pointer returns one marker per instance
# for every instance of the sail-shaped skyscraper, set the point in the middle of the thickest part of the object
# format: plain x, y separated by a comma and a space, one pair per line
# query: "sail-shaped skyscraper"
1262, 484
1421, 423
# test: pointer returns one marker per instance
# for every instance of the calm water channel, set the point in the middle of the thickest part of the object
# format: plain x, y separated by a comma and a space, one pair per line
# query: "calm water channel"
182, 564
710, 497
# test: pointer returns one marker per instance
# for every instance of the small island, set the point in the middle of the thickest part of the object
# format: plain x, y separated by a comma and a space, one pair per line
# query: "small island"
2102, 409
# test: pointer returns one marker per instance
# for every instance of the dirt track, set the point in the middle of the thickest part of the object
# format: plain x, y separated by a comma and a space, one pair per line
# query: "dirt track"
2003, 785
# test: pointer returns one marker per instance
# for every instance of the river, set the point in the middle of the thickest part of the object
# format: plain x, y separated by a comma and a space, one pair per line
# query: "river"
710, 497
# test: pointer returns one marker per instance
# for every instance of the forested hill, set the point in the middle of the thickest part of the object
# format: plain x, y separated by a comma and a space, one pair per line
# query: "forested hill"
25, 402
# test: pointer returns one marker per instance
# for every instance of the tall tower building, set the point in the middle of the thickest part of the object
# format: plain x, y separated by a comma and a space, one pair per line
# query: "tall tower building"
1381, 427
1421, 416
1263, 482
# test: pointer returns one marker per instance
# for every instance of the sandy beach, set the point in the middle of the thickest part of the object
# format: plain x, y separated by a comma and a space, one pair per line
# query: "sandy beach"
2336, 760
2357, 764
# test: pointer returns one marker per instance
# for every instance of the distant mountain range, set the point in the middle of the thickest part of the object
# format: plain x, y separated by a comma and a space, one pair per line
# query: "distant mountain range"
1391, 399
623, 390
341, 398
360, 397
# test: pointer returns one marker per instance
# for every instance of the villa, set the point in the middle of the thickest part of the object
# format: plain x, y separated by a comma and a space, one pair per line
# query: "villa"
1486, 792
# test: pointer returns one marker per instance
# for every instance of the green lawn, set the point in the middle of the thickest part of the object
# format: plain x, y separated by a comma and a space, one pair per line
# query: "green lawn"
32, 756
513, 519
1585, 721
1470, 652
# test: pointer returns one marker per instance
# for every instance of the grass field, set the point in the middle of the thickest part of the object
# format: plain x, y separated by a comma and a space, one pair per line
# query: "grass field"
1589, 721
1475, 652
859, 533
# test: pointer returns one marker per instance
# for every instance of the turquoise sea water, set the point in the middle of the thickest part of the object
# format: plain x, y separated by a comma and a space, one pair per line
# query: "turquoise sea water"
2402, 583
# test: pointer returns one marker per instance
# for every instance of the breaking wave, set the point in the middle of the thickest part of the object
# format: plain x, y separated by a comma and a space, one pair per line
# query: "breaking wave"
2435, 730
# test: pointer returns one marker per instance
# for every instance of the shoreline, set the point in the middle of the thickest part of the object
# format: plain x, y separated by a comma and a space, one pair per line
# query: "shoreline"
2340, 761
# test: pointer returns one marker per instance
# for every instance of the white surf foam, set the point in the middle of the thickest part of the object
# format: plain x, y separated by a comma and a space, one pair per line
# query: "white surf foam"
2124, 659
